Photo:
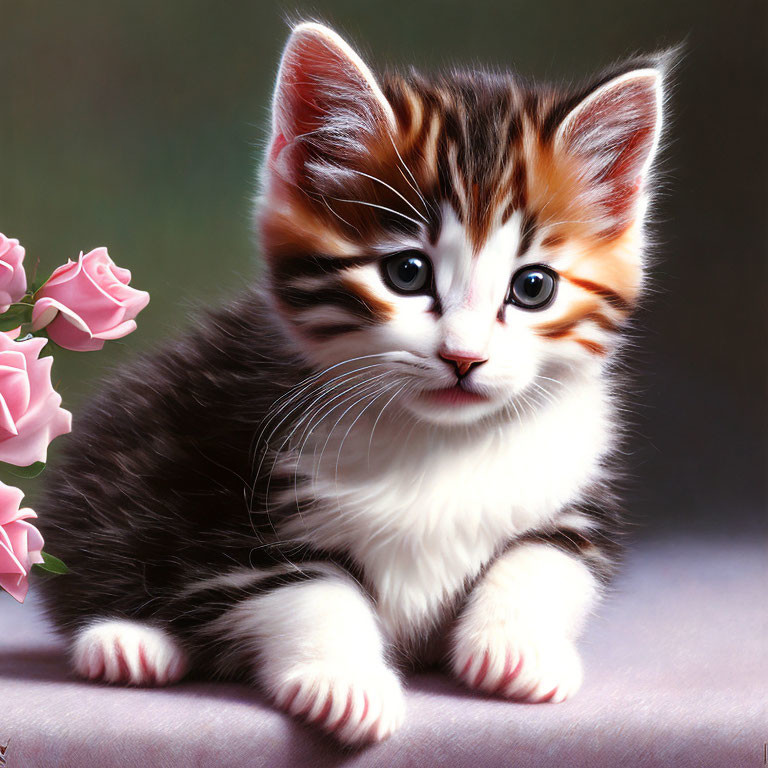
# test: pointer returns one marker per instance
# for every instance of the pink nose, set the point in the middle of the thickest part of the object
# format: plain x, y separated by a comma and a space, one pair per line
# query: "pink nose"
463, 362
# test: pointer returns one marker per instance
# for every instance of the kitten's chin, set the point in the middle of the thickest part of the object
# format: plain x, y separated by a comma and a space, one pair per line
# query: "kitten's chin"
451, 405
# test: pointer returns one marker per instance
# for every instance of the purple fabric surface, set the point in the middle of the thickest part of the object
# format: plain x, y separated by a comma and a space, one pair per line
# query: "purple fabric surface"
676, 673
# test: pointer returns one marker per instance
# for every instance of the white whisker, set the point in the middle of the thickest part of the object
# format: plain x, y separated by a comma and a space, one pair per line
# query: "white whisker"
415, 185
381, 207
381, 412
381, 391
388, 186
339, 216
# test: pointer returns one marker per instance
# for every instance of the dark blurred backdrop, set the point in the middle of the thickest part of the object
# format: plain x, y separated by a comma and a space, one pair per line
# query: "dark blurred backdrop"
138, 124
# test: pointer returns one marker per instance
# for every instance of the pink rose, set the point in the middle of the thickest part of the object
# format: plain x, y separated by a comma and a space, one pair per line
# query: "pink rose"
13, 280
88, 301
30, 416
20, 543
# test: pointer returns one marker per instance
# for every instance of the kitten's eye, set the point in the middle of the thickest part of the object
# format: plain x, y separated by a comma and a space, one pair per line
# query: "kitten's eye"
532, 287
408, 272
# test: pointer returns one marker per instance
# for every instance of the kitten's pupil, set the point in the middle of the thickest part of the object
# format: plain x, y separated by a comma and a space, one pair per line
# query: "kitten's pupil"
408, 270
533, 284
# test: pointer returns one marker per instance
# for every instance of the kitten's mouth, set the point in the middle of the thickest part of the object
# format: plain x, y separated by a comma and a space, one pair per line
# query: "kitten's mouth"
453, 396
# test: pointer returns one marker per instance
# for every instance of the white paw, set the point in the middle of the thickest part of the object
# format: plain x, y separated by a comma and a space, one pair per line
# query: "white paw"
355, 708
533, 671
128, 652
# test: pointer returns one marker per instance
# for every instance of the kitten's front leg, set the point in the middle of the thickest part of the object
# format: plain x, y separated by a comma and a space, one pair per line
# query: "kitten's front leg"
319, 654
515, 637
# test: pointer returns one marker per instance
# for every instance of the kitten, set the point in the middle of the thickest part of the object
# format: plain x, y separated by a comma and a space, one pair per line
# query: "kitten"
399, 447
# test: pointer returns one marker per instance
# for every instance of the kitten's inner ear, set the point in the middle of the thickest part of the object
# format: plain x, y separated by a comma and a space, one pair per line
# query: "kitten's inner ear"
614, 132
326, 100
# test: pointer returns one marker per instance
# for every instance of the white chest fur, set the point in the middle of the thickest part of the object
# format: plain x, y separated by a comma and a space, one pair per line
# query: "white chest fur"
424, 509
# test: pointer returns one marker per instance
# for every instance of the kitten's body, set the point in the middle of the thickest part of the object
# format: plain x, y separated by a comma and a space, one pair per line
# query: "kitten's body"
288, 495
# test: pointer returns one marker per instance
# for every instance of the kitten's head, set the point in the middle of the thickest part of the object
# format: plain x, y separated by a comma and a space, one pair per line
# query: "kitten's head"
469, 237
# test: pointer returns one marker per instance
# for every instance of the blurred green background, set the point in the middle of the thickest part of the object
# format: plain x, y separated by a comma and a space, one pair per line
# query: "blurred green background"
138, 125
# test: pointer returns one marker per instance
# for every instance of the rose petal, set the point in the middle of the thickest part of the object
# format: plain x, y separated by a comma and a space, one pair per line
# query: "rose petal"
46, 309
9, 563
63, 273
92, 295
16, 586
36, 431
7, 424
97, 309
10, 499
42, 420
14, 382
13, 279
25, 539
20, 543
68, 336
118, 332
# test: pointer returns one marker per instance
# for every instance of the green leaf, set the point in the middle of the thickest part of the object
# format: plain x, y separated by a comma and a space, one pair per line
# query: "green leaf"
16, 315
33, 470
51, 564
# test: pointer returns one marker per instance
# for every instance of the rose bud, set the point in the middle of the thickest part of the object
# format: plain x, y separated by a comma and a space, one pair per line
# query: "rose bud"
88, 301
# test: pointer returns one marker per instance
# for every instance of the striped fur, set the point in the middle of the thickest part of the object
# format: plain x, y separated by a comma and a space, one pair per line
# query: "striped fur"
332, 477
491, 146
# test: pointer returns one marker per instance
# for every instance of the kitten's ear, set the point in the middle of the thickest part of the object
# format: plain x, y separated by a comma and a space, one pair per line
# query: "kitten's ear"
327, 103
614, 132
